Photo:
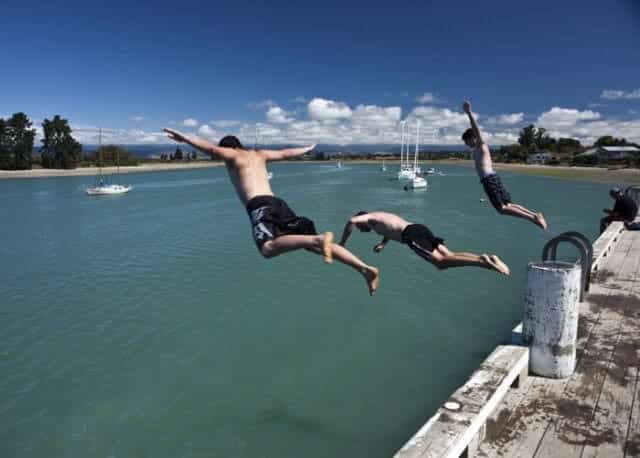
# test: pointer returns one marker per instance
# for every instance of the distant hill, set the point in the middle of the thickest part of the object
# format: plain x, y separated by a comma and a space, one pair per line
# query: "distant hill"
151, 151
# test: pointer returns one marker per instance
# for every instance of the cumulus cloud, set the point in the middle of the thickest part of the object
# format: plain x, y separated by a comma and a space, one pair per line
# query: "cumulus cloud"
225, 123
207, 131
267, 103
323, 109
190, 122
91, 135
566, 117
614, 94
375, 116
586, 126
506, 119
277, 115
428, 97
300, 99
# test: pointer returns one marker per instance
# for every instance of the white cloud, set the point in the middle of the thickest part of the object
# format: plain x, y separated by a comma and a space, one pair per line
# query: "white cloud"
613, 94
137, 118
267, 103
506, 119
322, 109
565, 117
225, 123
375, 116
190, 122
301, 99
277, 115
207, 131
428, 97
586, 126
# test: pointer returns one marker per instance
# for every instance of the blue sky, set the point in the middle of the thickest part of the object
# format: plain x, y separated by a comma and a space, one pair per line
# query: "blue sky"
336, 72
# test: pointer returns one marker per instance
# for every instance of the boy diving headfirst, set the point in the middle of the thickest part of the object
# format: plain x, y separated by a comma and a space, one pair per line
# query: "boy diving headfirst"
276, 228
498, 195
420, 239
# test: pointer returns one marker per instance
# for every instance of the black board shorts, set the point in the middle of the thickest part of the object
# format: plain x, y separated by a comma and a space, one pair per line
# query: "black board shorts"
496, 191
271, 217
421, 240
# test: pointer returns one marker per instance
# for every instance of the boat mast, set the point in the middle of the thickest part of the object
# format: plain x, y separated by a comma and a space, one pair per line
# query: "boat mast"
402, 123
415, 160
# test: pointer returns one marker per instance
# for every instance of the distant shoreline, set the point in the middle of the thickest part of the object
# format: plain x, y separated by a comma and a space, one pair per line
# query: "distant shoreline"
91, 171
621, 176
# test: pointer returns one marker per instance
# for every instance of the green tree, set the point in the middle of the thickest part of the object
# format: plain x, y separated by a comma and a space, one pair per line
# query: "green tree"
178, 156
113, 155
4, 145
21, 140
527, 136
59, 150
608, 140
542, 139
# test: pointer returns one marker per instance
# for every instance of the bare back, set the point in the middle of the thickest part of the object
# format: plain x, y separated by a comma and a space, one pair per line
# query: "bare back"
387, 224
248, 173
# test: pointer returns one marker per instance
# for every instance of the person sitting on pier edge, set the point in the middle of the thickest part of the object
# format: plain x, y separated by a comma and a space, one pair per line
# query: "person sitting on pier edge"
625, 209
419, 239
493, 187
276, 228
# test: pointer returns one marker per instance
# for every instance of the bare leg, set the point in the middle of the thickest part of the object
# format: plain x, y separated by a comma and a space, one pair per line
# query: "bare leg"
443, 258
521, 212
317, 243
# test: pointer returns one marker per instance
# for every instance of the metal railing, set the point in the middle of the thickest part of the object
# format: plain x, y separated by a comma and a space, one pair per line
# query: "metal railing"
584, 246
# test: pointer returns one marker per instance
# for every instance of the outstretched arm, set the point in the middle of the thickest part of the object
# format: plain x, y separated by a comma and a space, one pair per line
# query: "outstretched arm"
348, 228
378, 248
201, 144
466, 106
281, 154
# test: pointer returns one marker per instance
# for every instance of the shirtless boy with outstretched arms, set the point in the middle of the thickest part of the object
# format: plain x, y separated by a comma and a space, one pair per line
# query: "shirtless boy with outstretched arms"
276, 228
420, 239
498, 195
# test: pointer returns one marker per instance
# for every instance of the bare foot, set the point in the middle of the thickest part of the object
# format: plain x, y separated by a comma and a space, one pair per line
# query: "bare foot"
540, 221
496, 264
372, 275
327, 251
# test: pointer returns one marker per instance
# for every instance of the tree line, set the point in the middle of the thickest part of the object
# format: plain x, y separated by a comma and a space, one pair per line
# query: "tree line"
59, 149
532, 139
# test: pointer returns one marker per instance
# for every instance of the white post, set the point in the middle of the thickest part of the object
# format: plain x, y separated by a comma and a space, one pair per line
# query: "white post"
550, 321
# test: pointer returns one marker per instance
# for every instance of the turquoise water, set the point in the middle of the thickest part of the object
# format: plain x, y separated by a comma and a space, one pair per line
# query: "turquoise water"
148, 325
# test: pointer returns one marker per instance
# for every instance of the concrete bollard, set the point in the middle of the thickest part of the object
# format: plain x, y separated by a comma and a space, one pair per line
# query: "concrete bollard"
550, 321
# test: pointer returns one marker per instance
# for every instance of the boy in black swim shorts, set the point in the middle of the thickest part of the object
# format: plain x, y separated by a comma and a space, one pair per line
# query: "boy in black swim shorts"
493, 187
419, 239
276, 228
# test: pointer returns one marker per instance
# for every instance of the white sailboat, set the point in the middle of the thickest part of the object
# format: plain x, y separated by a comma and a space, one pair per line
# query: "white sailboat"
384, 167
406, 171
418, 182
102, 189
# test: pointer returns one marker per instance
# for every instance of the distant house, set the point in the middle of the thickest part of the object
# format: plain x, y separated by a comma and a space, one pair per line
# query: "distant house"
607, 153
539, 157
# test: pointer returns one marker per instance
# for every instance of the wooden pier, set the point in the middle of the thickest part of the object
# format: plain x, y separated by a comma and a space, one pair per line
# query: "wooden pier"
596, 412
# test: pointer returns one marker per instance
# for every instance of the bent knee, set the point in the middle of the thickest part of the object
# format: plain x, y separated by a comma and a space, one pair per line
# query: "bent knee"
267, 251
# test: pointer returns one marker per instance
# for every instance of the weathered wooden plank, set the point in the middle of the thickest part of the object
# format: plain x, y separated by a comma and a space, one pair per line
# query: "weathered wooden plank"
572, 429
632, 444
450, 431
544, 402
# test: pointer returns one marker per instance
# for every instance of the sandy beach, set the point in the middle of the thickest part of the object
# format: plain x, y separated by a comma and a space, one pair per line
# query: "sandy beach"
85, 171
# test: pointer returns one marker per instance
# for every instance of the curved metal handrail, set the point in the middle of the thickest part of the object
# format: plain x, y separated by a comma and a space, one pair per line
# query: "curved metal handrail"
585, 248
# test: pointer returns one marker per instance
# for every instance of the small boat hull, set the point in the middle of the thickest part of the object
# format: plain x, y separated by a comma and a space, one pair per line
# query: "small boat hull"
109, 190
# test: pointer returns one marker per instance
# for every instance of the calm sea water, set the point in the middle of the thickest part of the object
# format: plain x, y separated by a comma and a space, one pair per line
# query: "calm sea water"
148, 325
